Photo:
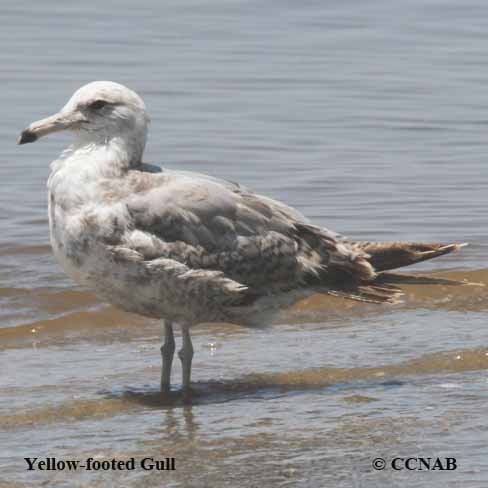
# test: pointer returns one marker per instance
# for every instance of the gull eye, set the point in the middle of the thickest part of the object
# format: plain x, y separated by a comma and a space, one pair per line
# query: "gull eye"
97, 104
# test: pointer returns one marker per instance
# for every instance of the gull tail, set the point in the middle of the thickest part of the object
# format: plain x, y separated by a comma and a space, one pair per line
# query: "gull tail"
386, 256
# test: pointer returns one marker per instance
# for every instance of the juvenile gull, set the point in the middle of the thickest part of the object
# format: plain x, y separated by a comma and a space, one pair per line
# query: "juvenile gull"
186, 247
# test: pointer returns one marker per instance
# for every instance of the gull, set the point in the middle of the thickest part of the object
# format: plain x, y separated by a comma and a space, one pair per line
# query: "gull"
190, 248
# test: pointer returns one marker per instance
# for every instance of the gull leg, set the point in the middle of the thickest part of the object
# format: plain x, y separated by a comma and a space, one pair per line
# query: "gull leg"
186, 355
167, 352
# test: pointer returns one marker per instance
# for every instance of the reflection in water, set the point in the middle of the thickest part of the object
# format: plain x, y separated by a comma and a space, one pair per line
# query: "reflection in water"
177, 420
250, 387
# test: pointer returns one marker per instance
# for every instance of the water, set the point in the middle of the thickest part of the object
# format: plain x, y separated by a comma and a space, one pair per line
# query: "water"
369, 117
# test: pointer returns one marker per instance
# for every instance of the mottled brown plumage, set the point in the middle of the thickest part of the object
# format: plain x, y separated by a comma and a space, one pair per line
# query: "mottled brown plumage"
392, 255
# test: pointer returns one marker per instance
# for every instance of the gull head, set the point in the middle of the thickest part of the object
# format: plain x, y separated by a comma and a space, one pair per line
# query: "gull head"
100, 112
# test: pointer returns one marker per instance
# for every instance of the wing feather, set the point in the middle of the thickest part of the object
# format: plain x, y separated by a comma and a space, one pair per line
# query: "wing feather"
210, 224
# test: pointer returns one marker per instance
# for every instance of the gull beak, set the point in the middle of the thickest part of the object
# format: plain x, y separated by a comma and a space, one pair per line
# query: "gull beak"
56, 123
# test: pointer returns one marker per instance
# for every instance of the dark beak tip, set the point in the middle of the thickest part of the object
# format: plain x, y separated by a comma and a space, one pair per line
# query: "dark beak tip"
26, 136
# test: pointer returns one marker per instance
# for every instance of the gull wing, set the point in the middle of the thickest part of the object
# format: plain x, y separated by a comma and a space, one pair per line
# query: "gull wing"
211, 224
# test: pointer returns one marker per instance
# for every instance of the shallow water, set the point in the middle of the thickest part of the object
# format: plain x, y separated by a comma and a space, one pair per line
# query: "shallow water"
369, 117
